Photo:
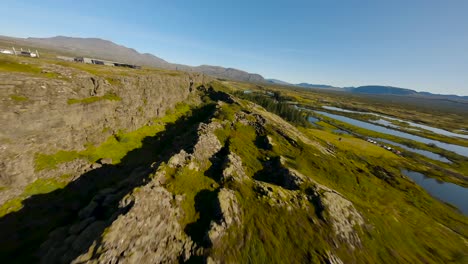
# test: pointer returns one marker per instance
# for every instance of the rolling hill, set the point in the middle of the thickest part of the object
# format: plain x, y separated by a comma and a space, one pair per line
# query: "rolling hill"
105, 49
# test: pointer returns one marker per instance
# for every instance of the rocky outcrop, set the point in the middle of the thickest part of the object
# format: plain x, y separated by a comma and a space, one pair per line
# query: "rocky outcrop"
285, 129
234, 169
338, 211
230, 214
148, 233
59, 113
207, 145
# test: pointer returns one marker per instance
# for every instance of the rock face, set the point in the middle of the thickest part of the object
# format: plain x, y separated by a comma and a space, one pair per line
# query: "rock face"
207, 145
148, 233
48, 120
234, 170
229, 214
334, 208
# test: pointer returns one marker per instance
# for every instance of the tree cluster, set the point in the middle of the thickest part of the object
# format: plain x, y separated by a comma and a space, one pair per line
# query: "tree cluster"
275, 105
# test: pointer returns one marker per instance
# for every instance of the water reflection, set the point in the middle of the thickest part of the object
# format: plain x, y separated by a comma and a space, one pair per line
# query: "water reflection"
451, 147
425, 153
445, 191
386, 123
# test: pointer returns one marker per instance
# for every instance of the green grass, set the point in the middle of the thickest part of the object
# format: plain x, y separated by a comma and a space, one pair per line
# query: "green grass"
188, 183
12, 64
115, 147
40, 186
272, 234
44, 161
89, 100
19, 98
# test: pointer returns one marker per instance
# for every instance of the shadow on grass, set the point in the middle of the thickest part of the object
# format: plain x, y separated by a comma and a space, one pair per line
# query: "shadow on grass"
47, 228
207, 205
274, 172
218, 161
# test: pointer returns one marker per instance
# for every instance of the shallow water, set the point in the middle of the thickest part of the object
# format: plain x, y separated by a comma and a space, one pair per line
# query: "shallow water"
445, 191
425, 153
313, 120
384, 122
451, 147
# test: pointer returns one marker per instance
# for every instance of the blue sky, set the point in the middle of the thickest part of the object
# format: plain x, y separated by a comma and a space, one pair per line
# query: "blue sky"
415, 44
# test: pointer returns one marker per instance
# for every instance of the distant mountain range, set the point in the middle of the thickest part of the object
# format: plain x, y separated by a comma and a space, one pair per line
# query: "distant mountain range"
321, 86
275, 81
108, 50
389, 90
304, 85
104, 49
373, 89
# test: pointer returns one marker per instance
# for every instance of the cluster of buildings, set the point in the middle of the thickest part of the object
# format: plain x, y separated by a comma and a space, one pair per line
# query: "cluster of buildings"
384, 146
99, 62
20, 52
35, 54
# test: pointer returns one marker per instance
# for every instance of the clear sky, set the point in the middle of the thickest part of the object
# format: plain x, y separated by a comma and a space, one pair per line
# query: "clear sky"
417, 44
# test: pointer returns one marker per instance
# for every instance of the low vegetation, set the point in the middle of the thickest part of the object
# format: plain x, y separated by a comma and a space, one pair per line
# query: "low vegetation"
39, 186
89, 100
19, 98
10, 63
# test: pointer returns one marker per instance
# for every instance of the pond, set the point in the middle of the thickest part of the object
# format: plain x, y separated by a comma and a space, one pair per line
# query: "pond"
451, 147
445, 191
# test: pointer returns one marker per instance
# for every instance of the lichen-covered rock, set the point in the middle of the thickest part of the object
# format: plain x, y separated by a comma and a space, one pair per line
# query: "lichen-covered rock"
340, 213
234, 169
148, 233
229, 214
207, 144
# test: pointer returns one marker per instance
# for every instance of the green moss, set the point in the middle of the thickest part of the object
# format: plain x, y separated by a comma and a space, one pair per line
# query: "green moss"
227, 112
19, 98
114, 81
189, 183
11, 64
12, 205
89, 100
242, 143
40, 186
44, 161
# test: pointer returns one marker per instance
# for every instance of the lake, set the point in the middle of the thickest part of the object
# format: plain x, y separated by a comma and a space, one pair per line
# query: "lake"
445, 191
